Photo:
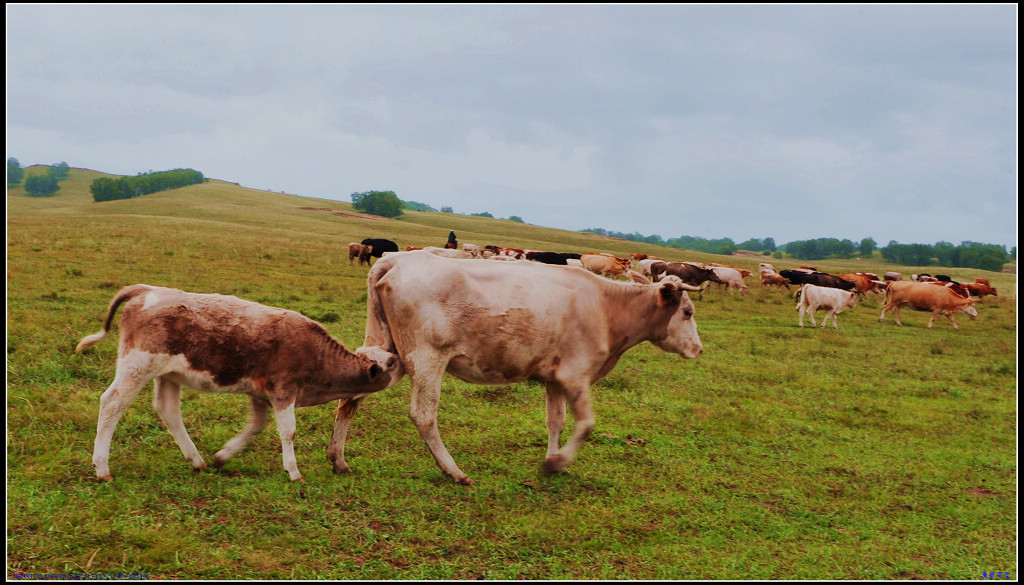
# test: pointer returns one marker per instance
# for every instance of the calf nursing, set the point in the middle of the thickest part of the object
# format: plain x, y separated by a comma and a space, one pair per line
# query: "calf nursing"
217, 343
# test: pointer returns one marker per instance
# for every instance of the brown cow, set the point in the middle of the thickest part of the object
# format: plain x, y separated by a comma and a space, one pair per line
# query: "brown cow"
923, 296
979, 289
361, 251
496, 323
216, 343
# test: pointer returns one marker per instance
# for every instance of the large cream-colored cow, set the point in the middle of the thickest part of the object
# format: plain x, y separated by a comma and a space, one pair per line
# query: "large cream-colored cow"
502, 322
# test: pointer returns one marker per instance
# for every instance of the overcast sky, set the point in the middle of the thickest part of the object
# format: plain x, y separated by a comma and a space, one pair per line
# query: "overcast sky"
743, 121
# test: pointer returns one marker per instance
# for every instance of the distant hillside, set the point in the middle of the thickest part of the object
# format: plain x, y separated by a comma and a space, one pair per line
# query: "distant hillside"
228, 203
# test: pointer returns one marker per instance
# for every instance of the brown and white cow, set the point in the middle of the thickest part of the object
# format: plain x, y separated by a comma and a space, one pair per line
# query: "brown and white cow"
215, 343
833, 300
923, 296
496, 323
979, 289
361, 251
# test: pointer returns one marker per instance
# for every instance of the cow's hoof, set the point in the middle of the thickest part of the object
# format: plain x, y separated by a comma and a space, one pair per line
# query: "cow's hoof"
105, 477
464, 480
555, 464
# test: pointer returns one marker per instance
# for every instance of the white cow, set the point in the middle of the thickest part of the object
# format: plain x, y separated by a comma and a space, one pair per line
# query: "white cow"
496, 323
833, 300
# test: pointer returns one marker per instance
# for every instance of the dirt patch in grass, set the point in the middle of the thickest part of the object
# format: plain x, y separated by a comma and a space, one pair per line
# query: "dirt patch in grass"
344, 213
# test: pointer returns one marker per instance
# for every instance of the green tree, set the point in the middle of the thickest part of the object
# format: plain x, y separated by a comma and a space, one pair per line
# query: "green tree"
14, 172
516, 219
60, 170
41, 186
447, 209
867, 247
383, 203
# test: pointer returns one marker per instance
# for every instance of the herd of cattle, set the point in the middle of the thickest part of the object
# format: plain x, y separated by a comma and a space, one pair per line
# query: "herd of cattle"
816, 290
484, 322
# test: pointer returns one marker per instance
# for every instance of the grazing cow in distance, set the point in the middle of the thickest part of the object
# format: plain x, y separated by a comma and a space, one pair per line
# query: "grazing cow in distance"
979, 289
448, 252
360, 251
922, 296
776, 280
474, 250
982, 281
605, 264
490, 323
731, 278
380, 246
893, 276
223, 344
833, 300
800, 277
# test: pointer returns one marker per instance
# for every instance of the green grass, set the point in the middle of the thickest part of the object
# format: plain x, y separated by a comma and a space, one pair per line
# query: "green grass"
872, 452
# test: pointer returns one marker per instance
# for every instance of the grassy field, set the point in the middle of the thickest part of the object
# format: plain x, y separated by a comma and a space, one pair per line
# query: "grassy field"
871, 452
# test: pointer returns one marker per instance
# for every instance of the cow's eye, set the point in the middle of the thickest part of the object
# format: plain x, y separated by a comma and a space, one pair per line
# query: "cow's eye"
688, 313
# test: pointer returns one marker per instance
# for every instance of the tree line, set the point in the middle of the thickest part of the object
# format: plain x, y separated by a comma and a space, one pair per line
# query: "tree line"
108, 189
387, 204
37, 185
966, 255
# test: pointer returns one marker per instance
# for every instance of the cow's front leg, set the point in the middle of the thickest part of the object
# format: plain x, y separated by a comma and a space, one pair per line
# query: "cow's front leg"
556, 416
579, 400
426, 395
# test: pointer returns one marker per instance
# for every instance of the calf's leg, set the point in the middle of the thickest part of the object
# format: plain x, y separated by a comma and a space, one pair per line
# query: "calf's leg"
129, 379
285, 416
167, 402
257, 420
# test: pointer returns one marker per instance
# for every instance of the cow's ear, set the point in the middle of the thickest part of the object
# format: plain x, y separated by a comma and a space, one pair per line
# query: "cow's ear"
668, 293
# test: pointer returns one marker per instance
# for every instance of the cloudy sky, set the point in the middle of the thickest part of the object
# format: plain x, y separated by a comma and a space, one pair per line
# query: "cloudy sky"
895, 122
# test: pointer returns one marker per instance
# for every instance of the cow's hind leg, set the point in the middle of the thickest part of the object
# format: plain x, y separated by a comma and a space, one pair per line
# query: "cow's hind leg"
426, 394
257, 420
582, 411
336, 449
128, 381
167, 402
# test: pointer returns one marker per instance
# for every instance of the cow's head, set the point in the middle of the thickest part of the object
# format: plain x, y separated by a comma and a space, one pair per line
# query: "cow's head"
681, 330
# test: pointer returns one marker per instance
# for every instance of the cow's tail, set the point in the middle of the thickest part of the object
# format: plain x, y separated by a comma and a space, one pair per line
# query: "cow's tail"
378, 331
799, 296
122, 296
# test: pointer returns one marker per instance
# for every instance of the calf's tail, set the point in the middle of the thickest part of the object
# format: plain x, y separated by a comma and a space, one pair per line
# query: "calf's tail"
122, 296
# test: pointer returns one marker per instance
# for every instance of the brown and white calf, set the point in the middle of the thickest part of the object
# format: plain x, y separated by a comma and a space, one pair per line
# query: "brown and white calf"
833, 300
497, 323
215, 343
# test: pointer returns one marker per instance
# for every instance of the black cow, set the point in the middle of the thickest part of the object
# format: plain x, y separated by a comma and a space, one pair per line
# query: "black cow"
547, 258
380, 246
800, 277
